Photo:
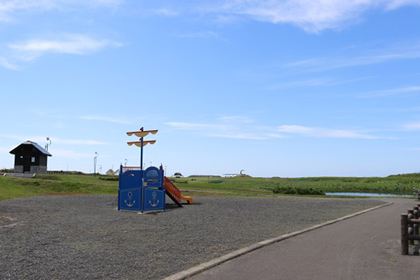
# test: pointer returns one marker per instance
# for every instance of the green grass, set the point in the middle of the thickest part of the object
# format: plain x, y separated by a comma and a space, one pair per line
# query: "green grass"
239, 186
55, 184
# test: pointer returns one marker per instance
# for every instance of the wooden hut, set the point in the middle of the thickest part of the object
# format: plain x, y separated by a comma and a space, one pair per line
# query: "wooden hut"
30, 158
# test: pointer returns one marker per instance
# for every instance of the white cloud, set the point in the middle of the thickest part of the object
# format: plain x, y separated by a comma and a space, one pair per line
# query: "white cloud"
106, 119
323, 132
310, 15
69, 44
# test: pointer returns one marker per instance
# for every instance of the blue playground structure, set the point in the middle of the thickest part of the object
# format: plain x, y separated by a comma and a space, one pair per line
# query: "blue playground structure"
144, 190
141, 190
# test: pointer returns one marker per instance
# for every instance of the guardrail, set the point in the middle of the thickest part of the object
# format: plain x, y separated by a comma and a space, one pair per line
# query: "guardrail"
128, 168
417, 194
410, 230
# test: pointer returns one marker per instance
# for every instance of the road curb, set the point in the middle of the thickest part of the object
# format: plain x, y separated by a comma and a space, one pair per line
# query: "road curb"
204, 266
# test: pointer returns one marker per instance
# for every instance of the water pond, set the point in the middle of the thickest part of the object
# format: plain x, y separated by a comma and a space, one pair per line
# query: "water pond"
368, 194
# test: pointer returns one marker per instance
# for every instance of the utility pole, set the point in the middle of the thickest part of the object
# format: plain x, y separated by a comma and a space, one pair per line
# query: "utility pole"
94, 163
48, 140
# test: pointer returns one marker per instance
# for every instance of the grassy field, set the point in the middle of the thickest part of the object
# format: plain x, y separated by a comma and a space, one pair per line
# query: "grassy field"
394, 184
244, 186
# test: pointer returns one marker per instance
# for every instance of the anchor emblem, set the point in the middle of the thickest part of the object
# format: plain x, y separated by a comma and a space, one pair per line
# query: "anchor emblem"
131, 201
154, 199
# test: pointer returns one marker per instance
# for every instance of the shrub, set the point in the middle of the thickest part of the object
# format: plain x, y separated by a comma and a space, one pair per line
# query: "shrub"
297, 190
109, 178
180, 181
7, 170
216, 181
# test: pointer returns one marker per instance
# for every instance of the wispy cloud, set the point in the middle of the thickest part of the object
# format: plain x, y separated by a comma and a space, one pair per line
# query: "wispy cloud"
244, 130
395, 4
70, 44
312, 16
236, 127
106, 119
167, 12
377, 56
4, 150
391, 92
9, 8
236, 119
69, 154
320, 132
197, 126
315, 82
202, 35
56, 140
7, 64
412, 126
78, 142
249, 136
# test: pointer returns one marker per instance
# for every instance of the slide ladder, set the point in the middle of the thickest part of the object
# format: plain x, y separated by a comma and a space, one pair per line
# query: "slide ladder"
175, 194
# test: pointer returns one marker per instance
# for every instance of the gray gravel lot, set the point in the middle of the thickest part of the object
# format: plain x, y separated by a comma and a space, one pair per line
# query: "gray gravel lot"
84, 237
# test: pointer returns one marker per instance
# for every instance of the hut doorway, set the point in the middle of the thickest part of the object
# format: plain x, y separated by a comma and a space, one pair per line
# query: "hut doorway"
26, 164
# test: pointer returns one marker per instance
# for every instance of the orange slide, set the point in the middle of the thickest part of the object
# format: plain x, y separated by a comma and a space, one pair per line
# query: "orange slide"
175, 194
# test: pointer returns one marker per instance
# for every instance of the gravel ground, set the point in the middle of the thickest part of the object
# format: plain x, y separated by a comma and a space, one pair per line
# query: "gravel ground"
84, 237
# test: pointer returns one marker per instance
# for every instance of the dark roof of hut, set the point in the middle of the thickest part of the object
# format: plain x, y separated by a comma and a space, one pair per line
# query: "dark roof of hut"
38, 147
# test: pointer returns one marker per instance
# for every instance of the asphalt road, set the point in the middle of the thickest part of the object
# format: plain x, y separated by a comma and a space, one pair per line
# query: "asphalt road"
363, 247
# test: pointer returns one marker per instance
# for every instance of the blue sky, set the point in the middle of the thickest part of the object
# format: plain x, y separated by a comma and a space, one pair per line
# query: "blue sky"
275, 88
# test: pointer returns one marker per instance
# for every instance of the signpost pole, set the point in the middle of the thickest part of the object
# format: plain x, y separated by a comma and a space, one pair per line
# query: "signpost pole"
141, 154
141, 151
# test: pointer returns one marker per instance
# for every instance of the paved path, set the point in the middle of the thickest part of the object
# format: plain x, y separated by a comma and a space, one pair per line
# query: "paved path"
363, 247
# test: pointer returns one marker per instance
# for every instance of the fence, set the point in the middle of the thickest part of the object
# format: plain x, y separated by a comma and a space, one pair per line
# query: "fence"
410, 230
66, 172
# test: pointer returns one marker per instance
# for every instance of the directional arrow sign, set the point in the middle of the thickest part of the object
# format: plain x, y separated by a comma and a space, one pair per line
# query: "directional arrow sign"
142, 133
